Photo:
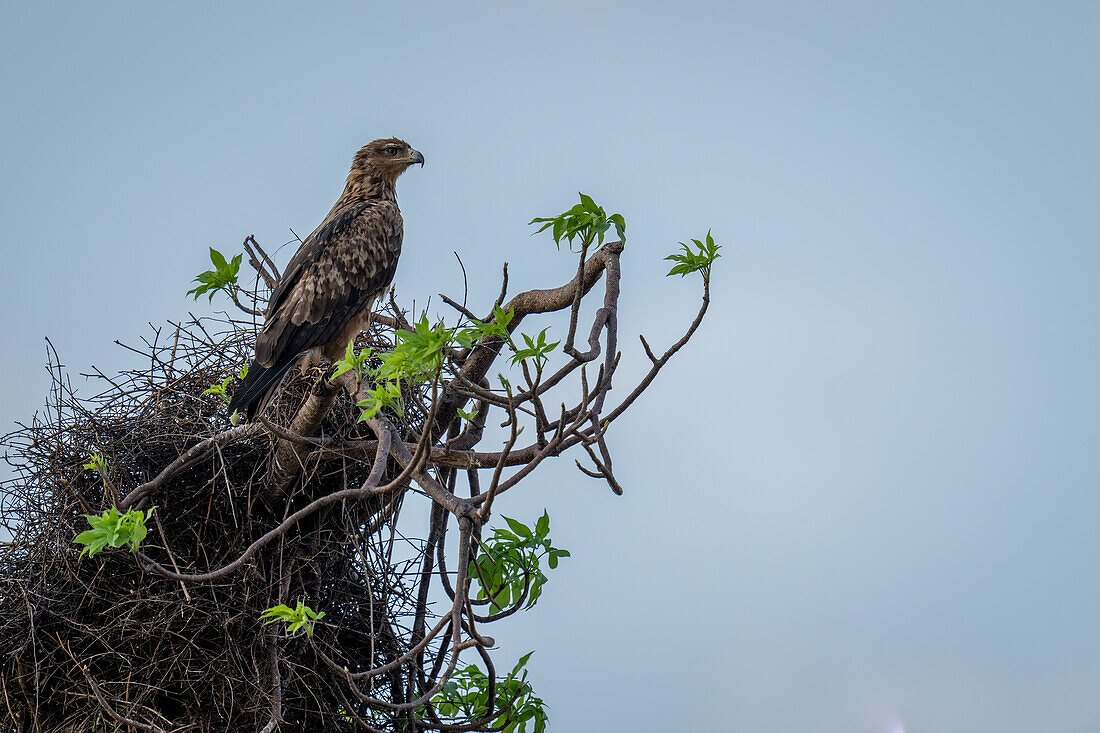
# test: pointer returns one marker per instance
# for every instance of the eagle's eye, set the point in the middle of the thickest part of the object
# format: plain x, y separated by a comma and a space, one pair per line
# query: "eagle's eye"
392, 151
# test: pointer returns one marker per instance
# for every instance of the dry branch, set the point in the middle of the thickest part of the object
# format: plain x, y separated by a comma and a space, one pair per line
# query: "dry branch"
304, 503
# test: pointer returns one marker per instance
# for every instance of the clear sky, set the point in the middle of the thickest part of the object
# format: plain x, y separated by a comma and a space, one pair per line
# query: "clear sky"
866, 496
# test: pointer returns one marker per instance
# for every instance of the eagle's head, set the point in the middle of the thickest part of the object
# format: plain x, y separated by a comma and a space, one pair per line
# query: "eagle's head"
385, 159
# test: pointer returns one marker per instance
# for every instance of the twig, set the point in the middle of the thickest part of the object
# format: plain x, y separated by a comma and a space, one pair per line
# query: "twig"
185, 461
103, 702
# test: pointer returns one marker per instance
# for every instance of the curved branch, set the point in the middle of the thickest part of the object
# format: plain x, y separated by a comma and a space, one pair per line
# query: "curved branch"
659, 363
524, 304
283, 527
185, 461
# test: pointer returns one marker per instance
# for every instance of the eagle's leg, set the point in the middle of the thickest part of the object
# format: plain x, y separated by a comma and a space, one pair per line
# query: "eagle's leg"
312, 358
335, 349
332, 352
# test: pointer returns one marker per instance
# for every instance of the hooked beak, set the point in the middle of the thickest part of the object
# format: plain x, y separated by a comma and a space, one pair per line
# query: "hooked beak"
415, 156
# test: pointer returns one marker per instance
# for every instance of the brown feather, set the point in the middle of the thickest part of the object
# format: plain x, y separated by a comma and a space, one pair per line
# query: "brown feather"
325, 294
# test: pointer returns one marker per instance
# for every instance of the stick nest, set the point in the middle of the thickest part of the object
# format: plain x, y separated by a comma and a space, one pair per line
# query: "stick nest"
99, 644
302, 506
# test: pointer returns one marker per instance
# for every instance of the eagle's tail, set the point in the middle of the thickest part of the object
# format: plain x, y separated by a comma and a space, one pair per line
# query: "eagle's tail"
258, 388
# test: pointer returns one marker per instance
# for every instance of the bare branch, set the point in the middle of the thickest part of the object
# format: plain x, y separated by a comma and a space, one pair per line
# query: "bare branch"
305, 503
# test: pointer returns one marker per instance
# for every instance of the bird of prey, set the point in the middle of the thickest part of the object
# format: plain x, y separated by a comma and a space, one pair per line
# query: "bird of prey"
324, 297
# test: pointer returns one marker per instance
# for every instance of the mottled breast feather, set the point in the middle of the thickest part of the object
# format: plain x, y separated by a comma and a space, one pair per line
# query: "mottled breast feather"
347, 262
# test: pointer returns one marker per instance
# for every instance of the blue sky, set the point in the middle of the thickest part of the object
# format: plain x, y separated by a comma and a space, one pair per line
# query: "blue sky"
865, 495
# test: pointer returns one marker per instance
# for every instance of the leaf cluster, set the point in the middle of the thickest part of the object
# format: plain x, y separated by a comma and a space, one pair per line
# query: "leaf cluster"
478, 331
222, 277
352, 361
385, 394
222, 388
417, 356
421, 353
466, 694
113, 529
511, 559
95, 463
537, 349
695, 261
586, 220
299, 618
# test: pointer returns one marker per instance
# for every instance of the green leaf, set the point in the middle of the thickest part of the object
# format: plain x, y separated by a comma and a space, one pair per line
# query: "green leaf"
510, 558
521, 663
299, 618
586, 220
352, 361
503, 317
559, 230
697, 260
112, 529
537, 349
93, 539
386, 394
222, 278
95, 463
222, 389
620, 225
418, 353
518, 527
218, 259
466, 694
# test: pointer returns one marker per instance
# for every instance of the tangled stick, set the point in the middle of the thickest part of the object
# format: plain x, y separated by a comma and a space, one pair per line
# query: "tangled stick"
303, 504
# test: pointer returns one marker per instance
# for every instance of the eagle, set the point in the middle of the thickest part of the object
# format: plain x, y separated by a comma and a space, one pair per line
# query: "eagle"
325, 295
